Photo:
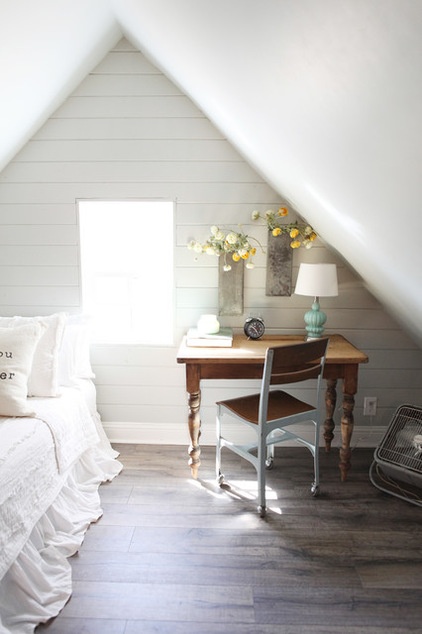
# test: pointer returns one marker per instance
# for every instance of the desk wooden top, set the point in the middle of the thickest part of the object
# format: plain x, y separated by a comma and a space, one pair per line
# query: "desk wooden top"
244, 350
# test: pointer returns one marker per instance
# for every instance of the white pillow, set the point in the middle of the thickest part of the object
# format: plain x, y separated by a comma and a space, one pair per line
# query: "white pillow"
44, 376
74, 357
17, 348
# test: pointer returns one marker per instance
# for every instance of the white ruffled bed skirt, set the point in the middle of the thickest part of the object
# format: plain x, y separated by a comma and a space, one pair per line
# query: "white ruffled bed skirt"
39, 582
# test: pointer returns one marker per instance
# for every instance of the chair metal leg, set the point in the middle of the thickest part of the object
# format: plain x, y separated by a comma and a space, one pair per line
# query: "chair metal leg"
219, 476
315, 484
262, 510
269, 462
262, 457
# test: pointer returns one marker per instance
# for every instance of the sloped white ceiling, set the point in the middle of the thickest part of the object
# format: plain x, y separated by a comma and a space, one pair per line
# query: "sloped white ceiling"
323, 98
47, 48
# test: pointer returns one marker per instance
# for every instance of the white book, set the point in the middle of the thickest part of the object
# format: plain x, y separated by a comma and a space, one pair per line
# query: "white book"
221, 339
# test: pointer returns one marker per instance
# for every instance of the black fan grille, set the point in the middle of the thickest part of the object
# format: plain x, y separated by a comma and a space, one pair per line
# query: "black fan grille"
401, 445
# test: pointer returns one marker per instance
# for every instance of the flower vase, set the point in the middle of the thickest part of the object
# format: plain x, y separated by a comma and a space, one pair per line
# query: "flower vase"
230, 288
279, 265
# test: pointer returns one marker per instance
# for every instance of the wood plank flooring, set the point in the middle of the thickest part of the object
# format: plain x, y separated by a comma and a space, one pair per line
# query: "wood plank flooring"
173, 555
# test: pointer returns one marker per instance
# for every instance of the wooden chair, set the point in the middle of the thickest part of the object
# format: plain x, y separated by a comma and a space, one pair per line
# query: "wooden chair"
273, 410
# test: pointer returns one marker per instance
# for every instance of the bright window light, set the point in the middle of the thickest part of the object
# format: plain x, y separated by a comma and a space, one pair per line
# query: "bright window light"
126, 250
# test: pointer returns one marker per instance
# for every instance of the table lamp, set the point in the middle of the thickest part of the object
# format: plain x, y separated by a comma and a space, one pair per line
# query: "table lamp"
316, 280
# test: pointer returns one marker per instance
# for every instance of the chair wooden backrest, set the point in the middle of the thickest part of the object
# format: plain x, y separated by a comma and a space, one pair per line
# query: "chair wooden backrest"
291, 364
296, 362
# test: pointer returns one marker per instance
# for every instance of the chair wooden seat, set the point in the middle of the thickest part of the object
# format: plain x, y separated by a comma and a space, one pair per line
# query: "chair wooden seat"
280, 405
272, 410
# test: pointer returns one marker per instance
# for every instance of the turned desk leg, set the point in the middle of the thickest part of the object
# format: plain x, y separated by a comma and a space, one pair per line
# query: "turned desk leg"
350, 386
347, 423
194, 417
194, 423
330, 406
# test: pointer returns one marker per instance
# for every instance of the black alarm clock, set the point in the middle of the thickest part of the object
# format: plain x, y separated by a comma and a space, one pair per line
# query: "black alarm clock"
254, 327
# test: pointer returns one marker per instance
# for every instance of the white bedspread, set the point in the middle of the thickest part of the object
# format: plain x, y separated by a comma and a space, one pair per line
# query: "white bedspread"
51, 468
35, 454
70, 423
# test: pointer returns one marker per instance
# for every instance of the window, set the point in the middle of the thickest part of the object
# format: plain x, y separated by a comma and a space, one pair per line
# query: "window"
126, 250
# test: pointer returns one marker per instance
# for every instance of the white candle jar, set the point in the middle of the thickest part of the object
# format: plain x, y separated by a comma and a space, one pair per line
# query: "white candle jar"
208, 325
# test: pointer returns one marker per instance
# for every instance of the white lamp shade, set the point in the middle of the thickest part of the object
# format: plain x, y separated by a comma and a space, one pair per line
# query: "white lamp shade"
317, 280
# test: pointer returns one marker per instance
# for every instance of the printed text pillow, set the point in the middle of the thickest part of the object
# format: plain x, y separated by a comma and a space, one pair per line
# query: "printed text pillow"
17, 348
44, 376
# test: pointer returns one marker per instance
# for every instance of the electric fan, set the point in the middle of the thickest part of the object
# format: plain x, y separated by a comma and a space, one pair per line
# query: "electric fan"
397, 464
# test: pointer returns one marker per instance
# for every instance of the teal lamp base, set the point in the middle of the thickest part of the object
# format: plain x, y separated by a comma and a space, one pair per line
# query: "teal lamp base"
315, 320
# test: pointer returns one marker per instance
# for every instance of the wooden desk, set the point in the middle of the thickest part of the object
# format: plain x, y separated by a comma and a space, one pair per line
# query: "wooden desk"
245, 360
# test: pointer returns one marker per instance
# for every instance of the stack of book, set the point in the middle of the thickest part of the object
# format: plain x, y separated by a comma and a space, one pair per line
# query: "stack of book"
221, 339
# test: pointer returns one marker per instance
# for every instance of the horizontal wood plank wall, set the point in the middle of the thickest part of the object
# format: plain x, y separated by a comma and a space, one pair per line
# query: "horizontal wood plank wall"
126, 132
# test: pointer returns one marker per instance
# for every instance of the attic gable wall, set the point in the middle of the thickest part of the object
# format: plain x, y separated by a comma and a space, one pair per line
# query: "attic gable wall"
323, 99
127, 131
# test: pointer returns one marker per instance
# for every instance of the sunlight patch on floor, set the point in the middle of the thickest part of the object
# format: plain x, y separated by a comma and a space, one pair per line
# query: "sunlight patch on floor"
246, 490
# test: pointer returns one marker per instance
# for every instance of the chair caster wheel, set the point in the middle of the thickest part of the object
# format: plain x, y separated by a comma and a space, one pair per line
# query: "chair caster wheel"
220, 479
315, 490
269, 463
262, 510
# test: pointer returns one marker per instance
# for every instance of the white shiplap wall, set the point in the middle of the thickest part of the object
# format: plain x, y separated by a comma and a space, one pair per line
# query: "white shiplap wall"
128, 132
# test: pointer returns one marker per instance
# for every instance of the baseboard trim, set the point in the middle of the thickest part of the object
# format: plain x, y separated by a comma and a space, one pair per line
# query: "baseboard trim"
171, 434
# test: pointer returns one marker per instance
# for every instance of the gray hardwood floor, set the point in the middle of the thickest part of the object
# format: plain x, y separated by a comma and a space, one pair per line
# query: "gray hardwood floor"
174, 555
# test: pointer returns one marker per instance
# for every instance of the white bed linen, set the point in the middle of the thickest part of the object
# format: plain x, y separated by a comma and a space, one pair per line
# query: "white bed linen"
48, 498
70, 423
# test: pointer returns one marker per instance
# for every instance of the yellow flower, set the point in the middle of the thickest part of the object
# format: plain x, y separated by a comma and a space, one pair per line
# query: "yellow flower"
293, 229
245, 256
236, 257
252, 251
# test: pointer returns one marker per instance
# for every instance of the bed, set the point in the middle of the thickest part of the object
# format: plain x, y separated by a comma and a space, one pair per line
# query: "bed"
54, 455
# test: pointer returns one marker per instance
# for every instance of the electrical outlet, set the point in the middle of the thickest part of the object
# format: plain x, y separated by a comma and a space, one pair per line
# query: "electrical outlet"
369, 405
